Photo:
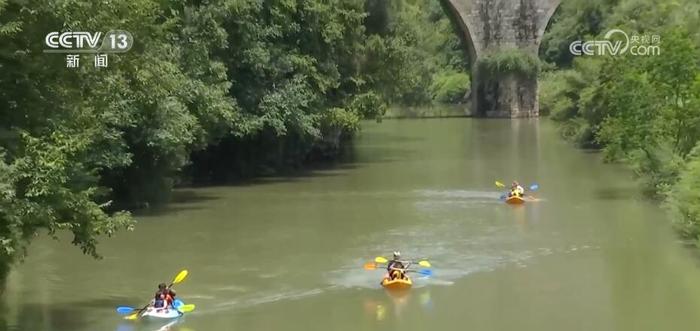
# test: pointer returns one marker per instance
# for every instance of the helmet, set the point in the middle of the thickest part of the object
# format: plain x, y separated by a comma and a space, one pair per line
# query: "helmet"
397, 254
515, 183
161, 286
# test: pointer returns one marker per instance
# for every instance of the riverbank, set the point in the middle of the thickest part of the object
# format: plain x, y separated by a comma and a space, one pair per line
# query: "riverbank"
642, 111
432, 111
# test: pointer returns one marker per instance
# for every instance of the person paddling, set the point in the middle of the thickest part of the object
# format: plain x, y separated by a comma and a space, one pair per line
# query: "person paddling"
395, 267
516, 190
164, 297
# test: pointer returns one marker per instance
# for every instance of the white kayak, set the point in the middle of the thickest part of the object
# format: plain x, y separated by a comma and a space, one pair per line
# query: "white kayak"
161, 313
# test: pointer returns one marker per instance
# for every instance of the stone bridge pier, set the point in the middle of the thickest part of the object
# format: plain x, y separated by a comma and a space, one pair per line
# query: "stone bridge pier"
491, 26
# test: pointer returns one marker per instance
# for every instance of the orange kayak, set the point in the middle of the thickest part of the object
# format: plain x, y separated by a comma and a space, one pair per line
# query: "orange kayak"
397, 284
513, 200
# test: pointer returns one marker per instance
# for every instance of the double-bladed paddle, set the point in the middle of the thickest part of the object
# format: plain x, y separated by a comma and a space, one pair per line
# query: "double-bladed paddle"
533, 187
178, 279
381, 260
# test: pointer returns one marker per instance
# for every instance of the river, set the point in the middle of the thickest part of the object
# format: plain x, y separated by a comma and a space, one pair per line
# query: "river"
287, 253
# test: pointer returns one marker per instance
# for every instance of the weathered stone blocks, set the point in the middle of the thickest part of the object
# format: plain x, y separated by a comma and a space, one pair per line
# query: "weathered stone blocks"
491, 26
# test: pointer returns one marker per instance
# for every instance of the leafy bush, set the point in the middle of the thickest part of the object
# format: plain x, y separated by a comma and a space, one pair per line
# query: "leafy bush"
509, 62
657, 166
339, 120
643, 111
414, 40
684, 199
450, 86
368, 105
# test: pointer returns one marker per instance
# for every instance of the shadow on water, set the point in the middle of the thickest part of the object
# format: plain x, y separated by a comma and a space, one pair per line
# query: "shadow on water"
46, 317
617, 194
321, 169
292, 176
189, 197
69, 316
379, 154
316, 170
389, 138
180, 200
164, 209
107, 303
73, 316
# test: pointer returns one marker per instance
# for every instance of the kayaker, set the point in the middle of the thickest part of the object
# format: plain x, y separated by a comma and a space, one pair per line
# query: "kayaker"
516, 189
395, 268
164, 297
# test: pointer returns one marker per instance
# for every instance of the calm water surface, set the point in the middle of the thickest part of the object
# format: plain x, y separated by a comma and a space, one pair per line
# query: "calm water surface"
287, 253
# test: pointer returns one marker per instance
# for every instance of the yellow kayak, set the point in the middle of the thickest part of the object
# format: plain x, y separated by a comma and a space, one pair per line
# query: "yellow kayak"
513, 200
397, 284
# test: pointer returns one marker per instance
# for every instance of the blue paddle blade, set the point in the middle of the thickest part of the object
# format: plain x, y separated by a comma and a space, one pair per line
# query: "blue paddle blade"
177, 303
534, 187
425, 272
125, 310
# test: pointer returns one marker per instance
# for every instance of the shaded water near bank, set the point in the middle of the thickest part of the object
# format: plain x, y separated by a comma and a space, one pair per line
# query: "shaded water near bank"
287, 253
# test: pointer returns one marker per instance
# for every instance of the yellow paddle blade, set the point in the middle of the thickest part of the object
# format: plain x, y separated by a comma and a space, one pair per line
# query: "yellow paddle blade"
132, 316
424, 264
380, 259
499, 184
186, 308
180, 277
370, 266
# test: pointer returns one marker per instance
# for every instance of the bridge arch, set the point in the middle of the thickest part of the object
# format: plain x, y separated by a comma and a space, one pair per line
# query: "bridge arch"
490, 26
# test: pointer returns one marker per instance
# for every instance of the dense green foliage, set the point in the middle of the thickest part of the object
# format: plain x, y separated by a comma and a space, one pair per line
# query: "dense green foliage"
211, 90
413, 54
684, 200
642, 110
574, 20
512, 61
449, 86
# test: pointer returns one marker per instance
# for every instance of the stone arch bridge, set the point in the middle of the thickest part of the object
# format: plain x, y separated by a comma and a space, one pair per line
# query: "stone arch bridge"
491, 26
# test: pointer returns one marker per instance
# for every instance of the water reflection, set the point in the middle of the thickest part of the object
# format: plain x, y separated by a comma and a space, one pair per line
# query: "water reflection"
398, 302
520, 218
125, 326
171, 326
425, 300
174, 325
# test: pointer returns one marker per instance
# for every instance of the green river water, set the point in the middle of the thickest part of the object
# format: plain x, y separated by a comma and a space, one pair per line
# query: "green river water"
287, 253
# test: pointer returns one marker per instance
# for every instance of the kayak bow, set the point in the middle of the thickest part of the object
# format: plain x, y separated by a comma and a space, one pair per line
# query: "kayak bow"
514, 200
161, 313
397, 284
